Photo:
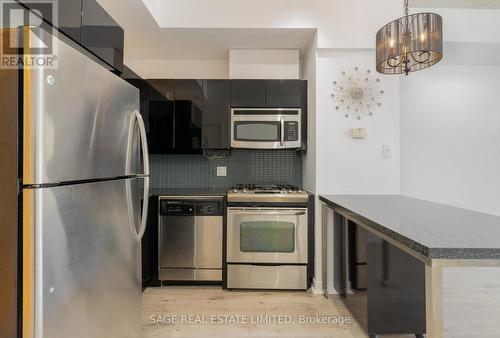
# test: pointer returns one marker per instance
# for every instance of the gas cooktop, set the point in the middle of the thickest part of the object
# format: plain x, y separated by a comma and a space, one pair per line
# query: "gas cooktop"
265, 189
267, 193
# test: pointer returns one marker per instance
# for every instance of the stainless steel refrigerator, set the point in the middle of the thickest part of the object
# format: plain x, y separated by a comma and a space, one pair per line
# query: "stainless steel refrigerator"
74, 190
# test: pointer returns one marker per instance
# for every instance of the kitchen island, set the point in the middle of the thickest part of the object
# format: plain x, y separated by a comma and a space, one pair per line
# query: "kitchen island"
438, 264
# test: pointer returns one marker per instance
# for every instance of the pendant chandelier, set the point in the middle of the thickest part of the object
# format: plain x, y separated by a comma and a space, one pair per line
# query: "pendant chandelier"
410, 43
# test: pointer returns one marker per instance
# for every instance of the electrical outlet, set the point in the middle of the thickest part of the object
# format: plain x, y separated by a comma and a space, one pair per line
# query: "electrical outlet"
387, 151
222, 171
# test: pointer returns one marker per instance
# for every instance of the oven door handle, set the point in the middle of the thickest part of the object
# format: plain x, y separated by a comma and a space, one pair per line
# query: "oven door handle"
266, 212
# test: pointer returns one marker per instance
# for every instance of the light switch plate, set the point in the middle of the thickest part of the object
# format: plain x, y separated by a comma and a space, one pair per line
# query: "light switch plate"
222, 171
359, 133
387, 151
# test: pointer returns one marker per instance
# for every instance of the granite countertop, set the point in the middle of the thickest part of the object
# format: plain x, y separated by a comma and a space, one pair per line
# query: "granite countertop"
188, 191
434, 230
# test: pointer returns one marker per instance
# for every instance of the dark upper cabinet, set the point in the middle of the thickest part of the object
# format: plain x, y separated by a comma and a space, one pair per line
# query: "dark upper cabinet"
101, 34
65, 15
174, 116
70, 18
216, 106
284, 93
159, 116
188, 115
87, 23
248, 93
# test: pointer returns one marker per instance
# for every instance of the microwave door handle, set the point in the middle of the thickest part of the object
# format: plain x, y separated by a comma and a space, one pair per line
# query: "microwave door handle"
282, 138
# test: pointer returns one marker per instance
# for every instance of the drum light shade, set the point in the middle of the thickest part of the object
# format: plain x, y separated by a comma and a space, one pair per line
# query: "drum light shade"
410, 43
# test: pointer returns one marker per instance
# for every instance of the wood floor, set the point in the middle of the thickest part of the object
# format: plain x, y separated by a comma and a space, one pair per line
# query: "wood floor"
212, 312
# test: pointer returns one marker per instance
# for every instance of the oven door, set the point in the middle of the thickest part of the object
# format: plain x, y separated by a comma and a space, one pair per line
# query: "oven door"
265, 128
267, 235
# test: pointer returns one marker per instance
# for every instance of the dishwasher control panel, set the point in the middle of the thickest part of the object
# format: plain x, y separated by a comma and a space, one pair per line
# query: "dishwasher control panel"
191, 207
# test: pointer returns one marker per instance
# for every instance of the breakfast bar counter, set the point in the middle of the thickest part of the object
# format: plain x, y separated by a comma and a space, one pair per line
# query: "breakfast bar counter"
453, 252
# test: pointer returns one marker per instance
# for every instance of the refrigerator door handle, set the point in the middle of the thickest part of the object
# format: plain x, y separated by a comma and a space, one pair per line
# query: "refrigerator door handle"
144, 216
145, 158
137, 118
144, 142
130, 207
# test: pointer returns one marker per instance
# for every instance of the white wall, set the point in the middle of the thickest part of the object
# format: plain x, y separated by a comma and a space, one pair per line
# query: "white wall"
450, 136
345, 165
180, 69
341, 23
309, 160
468, 25
264, 64
309, 73
335, 163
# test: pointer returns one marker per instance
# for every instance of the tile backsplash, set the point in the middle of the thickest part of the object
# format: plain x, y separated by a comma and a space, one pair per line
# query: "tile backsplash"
243, 166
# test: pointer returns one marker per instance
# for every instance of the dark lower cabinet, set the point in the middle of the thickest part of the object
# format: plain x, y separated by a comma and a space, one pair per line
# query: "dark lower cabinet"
390, 298
396, 289
216, 110
149, 246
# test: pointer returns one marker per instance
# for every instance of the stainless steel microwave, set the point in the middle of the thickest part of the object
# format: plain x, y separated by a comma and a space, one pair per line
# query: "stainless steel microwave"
266, 128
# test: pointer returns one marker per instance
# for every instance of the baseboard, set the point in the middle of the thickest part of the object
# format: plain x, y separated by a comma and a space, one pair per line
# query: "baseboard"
331, 289
317, 287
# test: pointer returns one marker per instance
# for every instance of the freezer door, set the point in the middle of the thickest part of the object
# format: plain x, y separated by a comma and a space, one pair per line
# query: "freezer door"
77, 122
82, 261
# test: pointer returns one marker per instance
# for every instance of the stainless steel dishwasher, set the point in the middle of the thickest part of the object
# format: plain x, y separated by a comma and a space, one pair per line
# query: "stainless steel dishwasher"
190, 239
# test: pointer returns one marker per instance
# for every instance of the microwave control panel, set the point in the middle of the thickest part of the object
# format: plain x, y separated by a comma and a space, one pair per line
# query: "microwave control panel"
291, 131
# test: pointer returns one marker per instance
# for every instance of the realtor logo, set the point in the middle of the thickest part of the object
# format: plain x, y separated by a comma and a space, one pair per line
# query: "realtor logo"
35, 46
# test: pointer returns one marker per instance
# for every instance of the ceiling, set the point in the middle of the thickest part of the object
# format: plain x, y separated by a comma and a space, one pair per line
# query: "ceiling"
144, 39
478, 4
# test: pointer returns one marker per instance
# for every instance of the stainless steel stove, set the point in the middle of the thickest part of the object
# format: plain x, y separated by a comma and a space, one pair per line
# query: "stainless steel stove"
267, 237
267, 193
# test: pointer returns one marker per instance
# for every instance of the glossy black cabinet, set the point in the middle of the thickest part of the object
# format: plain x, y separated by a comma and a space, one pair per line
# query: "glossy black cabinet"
284, 93
188, 115
391, 296
68, 12
248, 93
70, 18
159, 116
88, 24
149, 246
267, 93
396, 289
174, 116
216, 110
101, 34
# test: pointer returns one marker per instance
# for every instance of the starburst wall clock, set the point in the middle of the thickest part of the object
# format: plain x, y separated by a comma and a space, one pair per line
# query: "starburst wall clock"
357, 93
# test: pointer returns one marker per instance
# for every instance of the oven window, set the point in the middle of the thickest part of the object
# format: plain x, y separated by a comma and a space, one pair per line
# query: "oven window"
263, 131
267, 236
